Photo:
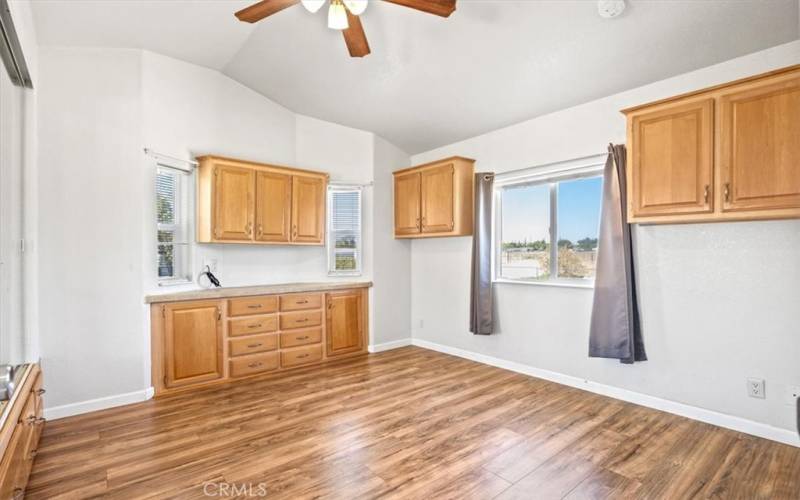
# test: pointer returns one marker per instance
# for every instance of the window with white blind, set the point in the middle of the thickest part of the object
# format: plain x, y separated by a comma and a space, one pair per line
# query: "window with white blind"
344, 230
172, 218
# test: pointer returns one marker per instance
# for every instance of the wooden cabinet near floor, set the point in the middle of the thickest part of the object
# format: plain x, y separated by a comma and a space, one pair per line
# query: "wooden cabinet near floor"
254, 203
434, 199
345, 322
731, 152
200, 342
20, 430
192, 342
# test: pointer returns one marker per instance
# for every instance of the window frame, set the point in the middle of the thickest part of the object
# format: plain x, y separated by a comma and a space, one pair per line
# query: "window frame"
582, 168
184, 222
330, 247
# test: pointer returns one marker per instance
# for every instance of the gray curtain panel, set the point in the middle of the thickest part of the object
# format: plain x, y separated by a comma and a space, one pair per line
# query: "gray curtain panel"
480, 321
615, 330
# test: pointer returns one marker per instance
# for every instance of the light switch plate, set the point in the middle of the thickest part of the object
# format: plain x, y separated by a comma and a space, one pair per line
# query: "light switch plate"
755, 388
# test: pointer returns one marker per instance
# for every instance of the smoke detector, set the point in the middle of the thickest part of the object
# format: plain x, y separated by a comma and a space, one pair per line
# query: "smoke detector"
610, 8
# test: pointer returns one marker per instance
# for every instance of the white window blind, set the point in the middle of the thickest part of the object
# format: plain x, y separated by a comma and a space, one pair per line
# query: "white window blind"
172, 220
344, 230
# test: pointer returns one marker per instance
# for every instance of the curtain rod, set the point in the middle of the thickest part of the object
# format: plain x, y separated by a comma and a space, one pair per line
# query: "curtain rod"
546, 169
161, 156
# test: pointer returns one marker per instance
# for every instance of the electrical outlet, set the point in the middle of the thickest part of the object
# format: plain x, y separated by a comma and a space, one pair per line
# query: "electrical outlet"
755, 388
792, 393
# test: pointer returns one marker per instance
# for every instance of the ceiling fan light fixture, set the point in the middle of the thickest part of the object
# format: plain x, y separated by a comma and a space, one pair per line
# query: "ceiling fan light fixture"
312, 5
356, 7
337, 16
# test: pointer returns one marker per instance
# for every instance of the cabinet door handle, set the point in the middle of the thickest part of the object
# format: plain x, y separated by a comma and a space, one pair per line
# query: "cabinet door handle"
40, 392
33, 454
17, 493
727, 191
705, 194
253, 346
254, 365
260, 229
294, 231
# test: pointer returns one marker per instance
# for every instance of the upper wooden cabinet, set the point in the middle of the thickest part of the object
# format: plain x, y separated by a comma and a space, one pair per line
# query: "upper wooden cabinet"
246, 202
434, 199
273, 206
308, 209
731, 152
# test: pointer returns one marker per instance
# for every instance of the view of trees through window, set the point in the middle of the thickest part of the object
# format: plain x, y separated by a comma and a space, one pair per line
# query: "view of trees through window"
526, 223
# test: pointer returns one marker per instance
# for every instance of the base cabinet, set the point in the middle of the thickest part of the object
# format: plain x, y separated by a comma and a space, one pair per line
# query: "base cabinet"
345, 323
201, 342
21, 429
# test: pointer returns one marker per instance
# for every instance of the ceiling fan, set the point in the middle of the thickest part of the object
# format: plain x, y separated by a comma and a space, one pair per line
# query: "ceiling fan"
343, 15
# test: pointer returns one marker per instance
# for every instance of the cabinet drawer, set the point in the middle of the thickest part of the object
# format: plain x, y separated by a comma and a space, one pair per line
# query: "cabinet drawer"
256, 363
300, 301
253, 305
300, 319
301, 356
249, 326
252, 345
301, 337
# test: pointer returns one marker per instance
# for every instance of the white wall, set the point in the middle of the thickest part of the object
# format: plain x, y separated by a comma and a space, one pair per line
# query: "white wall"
718, 301
98, 109
90, 220
392, 275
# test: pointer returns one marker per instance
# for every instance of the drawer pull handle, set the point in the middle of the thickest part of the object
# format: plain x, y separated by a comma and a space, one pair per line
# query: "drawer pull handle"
254, 326
302, 356
304, 301
253, 346
254, 365
304, 337
17, 493
254, 306
33, 454
40, 392
302, 320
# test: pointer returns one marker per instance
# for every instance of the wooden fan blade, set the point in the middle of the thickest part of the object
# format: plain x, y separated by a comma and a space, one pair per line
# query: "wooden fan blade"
354, 37
438, 7
262, 9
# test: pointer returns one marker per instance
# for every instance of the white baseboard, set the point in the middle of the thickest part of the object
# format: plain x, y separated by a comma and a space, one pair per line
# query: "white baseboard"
395, 344
703, 415
71, 409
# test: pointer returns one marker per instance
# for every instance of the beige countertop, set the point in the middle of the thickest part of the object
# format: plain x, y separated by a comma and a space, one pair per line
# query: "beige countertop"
244, 291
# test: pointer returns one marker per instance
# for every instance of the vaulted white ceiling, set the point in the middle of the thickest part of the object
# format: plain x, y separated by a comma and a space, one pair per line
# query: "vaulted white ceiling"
432, 81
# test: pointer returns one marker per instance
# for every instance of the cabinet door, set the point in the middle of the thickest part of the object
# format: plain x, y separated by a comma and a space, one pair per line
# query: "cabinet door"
407, 203
193, 337
308, 209
671, 167
437, 199
233, 203
760, 145
345, 329
273, 206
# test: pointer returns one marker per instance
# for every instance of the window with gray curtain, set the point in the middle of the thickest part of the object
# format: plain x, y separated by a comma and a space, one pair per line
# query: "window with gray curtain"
534, 212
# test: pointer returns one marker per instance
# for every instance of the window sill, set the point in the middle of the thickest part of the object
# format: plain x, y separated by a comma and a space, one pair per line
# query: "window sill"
558, 284
337, 275
175, 282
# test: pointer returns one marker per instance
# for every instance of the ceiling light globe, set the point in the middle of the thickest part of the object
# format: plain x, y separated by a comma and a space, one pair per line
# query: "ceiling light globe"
356, 7
337, 16
313, 5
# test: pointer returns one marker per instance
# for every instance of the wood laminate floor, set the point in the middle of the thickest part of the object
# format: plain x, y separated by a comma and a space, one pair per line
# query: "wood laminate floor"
407, 423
